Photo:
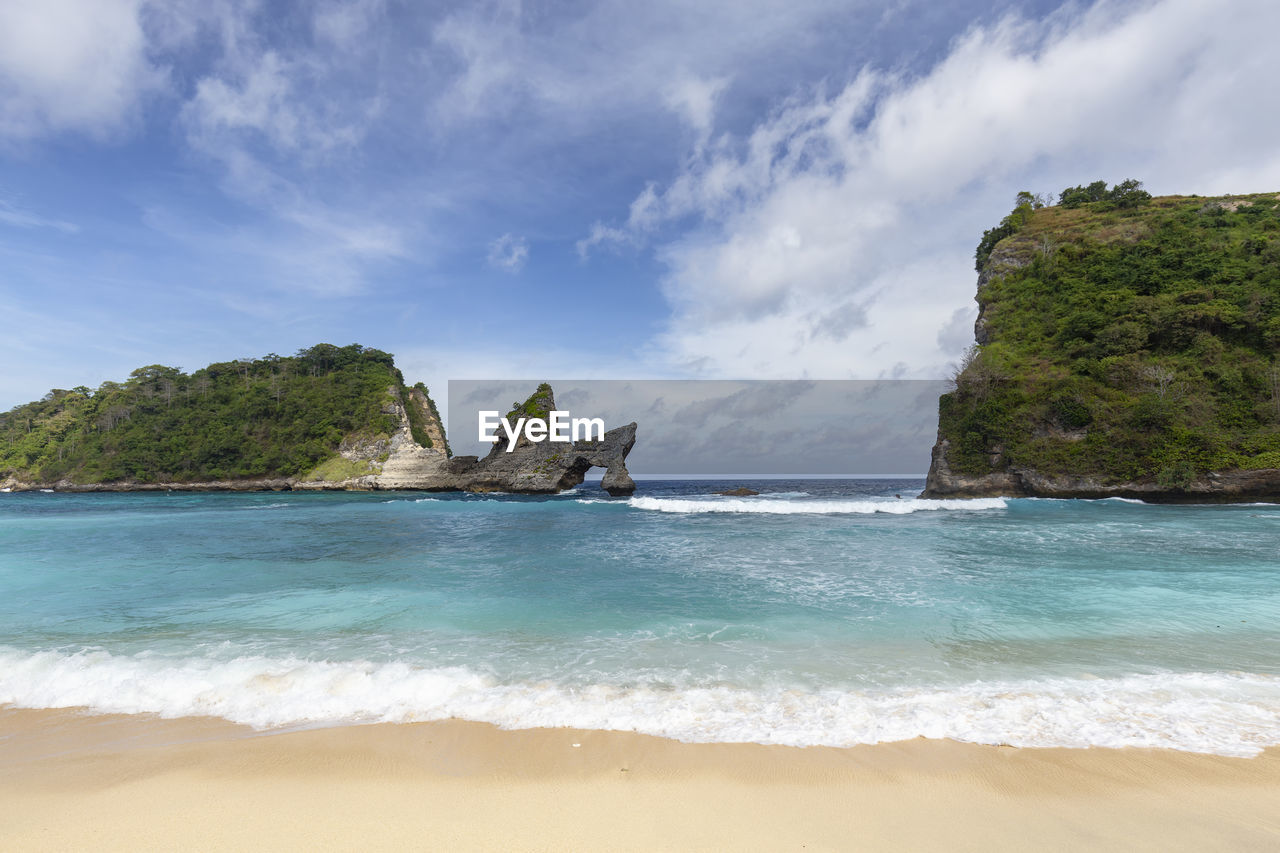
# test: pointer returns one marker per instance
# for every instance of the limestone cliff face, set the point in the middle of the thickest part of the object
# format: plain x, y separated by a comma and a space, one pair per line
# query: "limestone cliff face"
1004, 259
409, 465
395, 462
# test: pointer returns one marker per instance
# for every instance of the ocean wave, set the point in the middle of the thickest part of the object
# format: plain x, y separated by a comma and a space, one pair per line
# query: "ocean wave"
822, 506
1234, 714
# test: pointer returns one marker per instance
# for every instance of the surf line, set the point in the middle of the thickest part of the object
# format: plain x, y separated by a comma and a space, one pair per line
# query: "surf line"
559, 426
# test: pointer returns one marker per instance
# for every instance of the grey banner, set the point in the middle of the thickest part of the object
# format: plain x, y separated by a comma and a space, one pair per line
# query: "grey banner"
776, 428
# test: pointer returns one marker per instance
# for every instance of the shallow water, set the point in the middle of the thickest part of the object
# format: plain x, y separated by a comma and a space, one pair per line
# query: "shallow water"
820, 612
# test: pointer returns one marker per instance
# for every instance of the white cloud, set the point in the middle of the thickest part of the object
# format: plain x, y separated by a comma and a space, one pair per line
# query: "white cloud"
261, 96
694, 100
646, 213
836, 238
260, 101
508, 253
19, 218
78, 65
281, 121
615, 55
304, 248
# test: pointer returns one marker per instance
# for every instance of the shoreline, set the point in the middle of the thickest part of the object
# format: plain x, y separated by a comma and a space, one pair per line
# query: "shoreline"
73, 780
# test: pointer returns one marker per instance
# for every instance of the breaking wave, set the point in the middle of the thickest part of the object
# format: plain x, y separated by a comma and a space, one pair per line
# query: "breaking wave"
1236, 714
819, 506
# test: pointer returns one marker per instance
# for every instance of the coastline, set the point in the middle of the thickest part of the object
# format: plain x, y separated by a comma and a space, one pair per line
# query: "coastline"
70, 780
1230, 487
1219, 487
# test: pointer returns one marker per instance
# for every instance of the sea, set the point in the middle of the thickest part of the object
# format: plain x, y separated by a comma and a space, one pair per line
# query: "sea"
820, 612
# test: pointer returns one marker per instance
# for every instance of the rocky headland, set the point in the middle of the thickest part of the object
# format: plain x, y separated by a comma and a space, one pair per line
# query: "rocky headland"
240, 417
1125, 346
398, 462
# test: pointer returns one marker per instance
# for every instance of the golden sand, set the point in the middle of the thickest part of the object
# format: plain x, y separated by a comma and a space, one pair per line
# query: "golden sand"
75, 782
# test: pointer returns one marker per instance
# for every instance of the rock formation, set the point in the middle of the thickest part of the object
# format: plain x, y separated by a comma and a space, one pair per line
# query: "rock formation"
1125, 346
399, 462
1214, 487
530, 468
546, 467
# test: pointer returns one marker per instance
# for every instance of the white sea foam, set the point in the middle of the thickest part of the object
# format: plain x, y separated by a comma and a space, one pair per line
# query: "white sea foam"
1235, 714
819, 506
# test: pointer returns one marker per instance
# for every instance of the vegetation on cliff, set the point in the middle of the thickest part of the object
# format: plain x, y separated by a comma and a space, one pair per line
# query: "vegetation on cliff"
539, 405
1124, 338
275, 416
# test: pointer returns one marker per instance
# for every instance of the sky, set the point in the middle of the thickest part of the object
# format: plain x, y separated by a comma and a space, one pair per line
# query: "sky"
727, 190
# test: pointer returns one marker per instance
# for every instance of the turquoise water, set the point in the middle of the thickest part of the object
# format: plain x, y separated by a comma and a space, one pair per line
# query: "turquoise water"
821, 612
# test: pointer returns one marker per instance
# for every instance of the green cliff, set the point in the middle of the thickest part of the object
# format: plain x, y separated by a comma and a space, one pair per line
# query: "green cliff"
327, 414
1126, 345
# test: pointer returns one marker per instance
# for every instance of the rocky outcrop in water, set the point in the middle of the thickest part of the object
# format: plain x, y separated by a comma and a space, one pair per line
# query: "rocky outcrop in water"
547, 467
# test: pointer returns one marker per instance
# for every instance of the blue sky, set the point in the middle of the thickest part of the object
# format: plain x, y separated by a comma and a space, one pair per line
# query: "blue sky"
743, 189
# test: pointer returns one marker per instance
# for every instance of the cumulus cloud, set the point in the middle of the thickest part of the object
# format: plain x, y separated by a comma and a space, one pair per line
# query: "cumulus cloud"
508, 253
78, 65
835, 239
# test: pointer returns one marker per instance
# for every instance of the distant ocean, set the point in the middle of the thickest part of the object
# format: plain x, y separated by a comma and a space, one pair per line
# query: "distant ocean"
825, 612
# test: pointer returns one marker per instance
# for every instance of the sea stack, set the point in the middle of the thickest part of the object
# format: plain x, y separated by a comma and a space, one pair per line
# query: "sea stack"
546, 467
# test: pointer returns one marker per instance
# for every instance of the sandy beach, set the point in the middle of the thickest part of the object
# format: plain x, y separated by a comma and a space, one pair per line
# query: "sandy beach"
73, 781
